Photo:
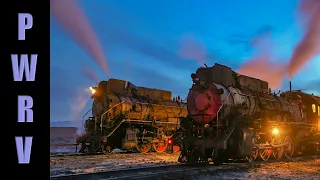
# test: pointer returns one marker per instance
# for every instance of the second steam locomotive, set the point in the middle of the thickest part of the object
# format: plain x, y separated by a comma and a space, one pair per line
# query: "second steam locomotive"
235, 116
133, 118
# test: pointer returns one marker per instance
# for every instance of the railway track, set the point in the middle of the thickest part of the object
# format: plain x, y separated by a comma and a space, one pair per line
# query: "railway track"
175, 171
90, 154
160, 172
74, 154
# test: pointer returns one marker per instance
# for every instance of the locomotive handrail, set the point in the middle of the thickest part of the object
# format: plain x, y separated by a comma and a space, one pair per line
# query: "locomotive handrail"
219, 111
152, 104
130, 103
83, 118
130, 120
108, 111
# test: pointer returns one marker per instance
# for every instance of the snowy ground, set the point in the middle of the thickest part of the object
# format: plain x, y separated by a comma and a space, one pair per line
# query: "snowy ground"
113, 161
63, 145
64, 149
298, 168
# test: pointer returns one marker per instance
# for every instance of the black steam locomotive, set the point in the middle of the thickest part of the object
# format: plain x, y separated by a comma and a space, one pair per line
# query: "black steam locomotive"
232, 116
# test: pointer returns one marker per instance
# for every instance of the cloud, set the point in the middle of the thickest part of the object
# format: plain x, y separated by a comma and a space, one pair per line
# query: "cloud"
144, 46
310, 86
248, 39
152, 79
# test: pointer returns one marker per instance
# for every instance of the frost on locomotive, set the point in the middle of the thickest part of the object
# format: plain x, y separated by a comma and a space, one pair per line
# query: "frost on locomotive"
236, 116
128, 117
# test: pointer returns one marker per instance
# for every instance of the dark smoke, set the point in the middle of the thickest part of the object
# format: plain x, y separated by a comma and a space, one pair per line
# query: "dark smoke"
71, 18
90, 74
308, 47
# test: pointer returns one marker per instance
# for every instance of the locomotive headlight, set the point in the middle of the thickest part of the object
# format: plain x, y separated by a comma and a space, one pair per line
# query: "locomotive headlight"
275, 131
92, 90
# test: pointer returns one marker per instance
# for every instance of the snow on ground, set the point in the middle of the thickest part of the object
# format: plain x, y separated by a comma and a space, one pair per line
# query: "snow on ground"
112, 161
63, 145
64, 149
308, 169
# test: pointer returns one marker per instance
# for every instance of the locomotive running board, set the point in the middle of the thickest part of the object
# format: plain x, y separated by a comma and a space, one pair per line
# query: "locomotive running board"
137, 121
269, 146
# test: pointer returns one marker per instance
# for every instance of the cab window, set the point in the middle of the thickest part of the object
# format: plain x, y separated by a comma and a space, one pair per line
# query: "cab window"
314, 108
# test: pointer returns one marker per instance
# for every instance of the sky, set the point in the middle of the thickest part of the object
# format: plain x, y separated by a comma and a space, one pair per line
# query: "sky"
141, 41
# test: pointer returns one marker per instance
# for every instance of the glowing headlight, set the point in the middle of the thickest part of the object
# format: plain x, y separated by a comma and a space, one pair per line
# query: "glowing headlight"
275, 131
92, 90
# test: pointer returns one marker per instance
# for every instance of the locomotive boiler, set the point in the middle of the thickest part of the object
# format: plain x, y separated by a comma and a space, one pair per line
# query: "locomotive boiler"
235, 116
128, 117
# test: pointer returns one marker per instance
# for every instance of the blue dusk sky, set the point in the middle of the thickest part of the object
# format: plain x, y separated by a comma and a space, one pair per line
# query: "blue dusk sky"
141, 40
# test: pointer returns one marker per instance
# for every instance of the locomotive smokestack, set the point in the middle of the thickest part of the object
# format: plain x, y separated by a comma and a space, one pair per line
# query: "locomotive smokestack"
290, 86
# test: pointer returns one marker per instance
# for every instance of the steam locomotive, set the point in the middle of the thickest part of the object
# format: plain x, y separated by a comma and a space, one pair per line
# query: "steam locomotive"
232, 116
131, 118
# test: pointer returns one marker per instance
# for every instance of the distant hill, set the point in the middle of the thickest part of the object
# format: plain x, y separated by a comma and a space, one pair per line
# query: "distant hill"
64, 124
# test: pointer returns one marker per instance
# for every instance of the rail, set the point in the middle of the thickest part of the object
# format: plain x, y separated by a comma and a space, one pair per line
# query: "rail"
108, 111
83, 119
220, 109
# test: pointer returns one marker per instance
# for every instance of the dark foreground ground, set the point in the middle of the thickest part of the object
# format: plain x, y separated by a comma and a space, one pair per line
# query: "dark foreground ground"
296, 168
300, 168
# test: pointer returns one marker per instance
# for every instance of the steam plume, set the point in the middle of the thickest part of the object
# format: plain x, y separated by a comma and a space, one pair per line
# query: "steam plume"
80, 101
69, 15
90, 74
191, 49
262, 65
308, 47
128, 68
